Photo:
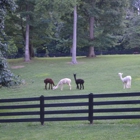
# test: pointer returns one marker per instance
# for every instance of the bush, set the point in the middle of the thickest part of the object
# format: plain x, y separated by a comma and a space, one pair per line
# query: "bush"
7, 78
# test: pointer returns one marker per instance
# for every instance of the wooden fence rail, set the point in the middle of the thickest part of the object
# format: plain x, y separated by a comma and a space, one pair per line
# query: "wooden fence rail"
68, 108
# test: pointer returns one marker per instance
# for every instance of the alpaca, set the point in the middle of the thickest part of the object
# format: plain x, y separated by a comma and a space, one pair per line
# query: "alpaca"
126, 80
79, 81
50, 82
62, 82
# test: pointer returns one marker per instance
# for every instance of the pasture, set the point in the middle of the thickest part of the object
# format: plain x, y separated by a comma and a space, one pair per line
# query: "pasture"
100, 75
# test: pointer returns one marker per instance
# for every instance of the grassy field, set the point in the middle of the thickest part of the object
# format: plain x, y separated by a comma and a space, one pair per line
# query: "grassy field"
100, 75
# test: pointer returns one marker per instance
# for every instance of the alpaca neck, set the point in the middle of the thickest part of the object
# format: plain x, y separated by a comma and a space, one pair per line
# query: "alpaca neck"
59, 83
57, 86
121, 77
75, 78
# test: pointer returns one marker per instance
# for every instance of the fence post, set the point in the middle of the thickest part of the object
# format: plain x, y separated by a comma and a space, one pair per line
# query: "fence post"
42, 109
90, 107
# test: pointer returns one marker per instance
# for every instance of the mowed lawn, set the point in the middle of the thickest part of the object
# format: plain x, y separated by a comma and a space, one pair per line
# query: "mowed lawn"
100, 75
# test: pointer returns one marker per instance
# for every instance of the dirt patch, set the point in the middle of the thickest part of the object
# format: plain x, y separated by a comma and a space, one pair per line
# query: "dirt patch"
17, 67
74, 64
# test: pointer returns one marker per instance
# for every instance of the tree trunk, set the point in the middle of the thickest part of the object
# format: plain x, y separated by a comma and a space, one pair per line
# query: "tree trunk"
27, 51
31, 50
27, 54
74, 61
91, 49
91, 52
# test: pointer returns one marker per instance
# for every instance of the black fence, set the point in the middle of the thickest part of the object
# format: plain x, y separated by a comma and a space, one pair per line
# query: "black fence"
71, 108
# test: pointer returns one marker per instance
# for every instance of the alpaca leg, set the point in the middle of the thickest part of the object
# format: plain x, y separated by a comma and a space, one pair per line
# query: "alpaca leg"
124, 85
80, 86
128, 84
51, 86
61, 87
77, 86
83, 86
70, 86
46, 86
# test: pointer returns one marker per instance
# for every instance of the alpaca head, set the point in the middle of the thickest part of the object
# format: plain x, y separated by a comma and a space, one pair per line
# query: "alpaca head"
54, 87
120, 74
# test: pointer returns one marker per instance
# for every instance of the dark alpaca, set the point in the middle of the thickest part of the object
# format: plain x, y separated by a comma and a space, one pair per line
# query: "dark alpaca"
50, 82
79, 82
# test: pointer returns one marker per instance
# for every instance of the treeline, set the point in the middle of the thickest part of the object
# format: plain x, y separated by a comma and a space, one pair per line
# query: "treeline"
80, 52
47, 26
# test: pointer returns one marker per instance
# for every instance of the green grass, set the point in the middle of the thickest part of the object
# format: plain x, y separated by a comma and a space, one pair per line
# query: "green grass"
100, 75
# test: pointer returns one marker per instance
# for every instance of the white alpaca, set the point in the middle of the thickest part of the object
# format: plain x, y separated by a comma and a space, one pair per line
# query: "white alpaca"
126, 80
62, 82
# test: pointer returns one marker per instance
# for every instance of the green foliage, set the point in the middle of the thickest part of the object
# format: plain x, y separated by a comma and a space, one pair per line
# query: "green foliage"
108, 22
52, 21
132, 22
12, 49
7, 78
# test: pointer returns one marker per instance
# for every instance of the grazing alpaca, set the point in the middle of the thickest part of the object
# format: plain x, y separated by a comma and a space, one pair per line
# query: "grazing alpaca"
50, 82
126, 80
62, 82
79, 81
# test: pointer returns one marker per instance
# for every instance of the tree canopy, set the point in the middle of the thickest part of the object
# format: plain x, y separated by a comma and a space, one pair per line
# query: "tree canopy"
132, 22
100, 24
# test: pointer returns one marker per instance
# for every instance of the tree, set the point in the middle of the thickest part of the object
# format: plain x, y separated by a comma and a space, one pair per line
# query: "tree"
59, 12
27, 54
132, 22
26, 28
46, 24
136, 4
25, 11
74, 61
91, 29
7, 78
103, 16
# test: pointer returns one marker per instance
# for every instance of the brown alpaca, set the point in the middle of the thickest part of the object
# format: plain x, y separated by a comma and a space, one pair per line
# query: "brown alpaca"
79, 82
50, 82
